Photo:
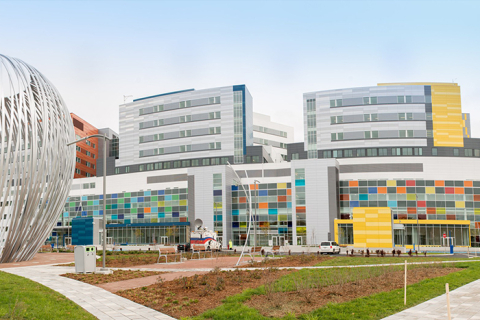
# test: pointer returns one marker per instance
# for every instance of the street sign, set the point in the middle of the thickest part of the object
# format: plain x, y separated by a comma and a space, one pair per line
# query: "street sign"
444, 235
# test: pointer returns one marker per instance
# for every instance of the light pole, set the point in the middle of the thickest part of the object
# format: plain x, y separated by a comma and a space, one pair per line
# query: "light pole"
256, 217
104, 137
418, 228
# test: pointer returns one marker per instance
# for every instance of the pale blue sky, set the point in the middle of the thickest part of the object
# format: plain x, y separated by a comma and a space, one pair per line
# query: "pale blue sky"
97, 51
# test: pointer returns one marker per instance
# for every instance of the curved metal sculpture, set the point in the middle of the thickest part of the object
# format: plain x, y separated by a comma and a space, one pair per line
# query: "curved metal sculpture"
36, 166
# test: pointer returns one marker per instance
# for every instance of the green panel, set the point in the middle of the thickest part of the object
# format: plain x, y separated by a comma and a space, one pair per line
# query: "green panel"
90, 203
109, 206
154, 198
168, 209
175, 197
127, 195
133, 210
72, 204
121, 200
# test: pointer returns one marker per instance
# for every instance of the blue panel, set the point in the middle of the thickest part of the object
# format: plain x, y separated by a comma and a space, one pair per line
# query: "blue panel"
168, 197
84, 198
59, 224
54, 234
289, 204
96, 202
82, 231
121, 216
289, 224
140, 216
272, 211
282, 230
372, 190
114, 217
235, 212
100, 197
161, 215
262, 193
217, 192
114, 206
133, 200
235, 225
392, 204
161, 192
65, 214
96, 213
234, 188
154, 209
146, 193
299, 183
219, 217
363, 197
175, 214
127, 221
114, 196
84, 213
140, 199
101, 211
354, 204
127, 205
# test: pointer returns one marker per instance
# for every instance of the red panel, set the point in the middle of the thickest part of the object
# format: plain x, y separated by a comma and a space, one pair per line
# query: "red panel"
410, 183
421, 204
449, 190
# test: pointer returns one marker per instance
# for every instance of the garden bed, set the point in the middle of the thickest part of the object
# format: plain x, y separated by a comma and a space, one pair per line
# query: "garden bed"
117, 275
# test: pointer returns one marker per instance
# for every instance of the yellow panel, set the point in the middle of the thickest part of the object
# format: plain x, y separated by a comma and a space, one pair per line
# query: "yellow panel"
411, 197
460, 204
391, 183
430, 190
281, 186
371, 215
463, 222
372, 227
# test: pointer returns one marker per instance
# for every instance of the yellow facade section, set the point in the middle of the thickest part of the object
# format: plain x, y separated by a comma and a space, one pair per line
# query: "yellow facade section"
447, 117
372, 228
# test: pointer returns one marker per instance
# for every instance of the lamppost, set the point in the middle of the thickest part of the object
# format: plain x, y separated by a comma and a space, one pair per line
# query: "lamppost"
418, 228
104, 137
256, 217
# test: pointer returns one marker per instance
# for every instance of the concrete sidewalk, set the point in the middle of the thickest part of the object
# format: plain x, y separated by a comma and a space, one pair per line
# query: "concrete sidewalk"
99, 302
463, 305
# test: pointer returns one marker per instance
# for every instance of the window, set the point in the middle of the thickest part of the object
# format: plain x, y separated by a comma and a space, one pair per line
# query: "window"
410, 133
396, 152
311, 105
455, 152
418, 151
337, 153
373, 100
375, 134
150, 167
409, 116
87, 142
374, 117
167, 165
158, 166
401, 116
195, 163
429, 133
334, 136
477, 152
127, 169
206, 162
408, 99
185, 163
382, 152
77, 171
88, 153
333, 119
177, 164
360, 152
434, 152
367, 134
93, 145
295, 156
366, 117
407, 151
78, 148
348, 153
141, 167
88, 164
371, 152
311, 121
468, 153
78, 160
327, 154
401, 99
402, 133
117, 170
366, 100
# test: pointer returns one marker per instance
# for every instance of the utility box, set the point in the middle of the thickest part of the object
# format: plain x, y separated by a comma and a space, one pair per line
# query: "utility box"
85, 259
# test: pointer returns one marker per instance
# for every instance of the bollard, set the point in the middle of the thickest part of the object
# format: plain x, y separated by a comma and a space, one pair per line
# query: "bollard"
405, 290
448, 301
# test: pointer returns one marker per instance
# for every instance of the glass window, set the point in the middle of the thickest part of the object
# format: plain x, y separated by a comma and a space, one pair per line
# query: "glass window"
409, 116
434, 152
360, 152
339, 102
332, 103
340, 136
410, 133
366, 100
348, 153
371, 152
402, 133
468, 152
401, 116
333, 136
477, 152
455, 152
337, 153
374, 117
333, 119
418, 151
367, 135
339, 119
366, 117
295, 156
327, 154
373, 100
375, 134
382, 152
401, 99
311, 104
408, 99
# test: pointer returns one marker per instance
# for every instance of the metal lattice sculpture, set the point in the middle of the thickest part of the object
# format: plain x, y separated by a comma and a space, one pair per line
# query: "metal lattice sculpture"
36, 166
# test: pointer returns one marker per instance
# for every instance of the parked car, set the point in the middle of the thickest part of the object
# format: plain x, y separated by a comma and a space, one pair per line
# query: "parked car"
331, 247
184, 246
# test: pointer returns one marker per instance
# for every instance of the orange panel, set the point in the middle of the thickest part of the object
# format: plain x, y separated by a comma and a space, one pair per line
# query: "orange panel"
353, 183
450, 217
301, 210
459, 191
382, 190
411, 210
252, 187
344, 197
263, 205
183, 219
147, 210
242, 200
468, 183
289, 192
282, 198
401, 190
439, 183
477, 225
476, 197
431, 210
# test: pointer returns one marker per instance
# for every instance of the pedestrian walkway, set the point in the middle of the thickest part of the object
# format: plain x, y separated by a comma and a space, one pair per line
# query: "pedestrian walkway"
463, 306
102, 304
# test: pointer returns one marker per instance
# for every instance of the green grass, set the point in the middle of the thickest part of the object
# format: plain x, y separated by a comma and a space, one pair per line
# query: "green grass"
376, 306
21, 298
349, 261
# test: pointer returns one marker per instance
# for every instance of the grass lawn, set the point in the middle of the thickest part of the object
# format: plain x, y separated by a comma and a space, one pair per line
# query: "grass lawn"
348, 261
21, 298
375, 306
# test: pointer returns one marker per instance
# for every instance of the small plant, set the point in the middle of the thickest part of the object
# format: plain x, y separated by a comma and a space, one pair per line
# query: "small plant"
393, 253
166, 305
368, 253
382, 253
416, 253
425, 253
203, 281
399, 252
410, 253
168, 299
194, 301
352, 252
175, 301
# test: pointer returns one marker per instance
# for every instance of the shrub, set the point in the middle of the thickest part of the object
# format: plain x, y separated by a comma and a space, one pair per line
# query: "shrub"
399, 252
410, 252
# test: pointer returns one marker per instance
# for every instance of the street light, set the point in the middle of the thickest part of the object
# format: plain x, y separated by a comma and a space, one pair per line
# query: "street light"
256, 217
418, 228
104, 137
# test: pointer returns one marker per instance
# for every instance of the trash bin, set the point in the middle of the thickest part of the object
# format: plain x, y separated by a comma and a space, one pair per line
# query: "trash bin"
85, 259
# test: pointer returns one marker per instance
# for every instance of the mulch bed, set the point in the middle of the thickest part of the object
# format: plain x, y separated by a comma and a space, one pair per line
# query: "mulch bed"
303, 260
117, 275
191, 296
279, 304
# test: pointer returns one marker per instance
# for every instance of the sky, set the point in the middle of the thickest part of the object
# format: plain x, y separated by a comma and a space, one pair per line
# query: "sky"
99, 53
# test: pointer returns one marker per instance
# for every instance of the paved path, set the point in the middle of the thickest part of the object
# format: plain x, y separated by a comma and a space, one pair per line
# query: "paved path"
463, 305
102, 304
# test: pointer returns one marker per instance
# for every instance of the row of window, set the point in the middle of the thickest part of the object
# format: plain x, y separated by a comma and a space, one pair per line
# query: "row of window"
181, 119
86, 141
369, 117
175, 164
185, 148
374, 135
374, 100
175, 135
80, 172
270, 143
180, 105
88, 164
270, 131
